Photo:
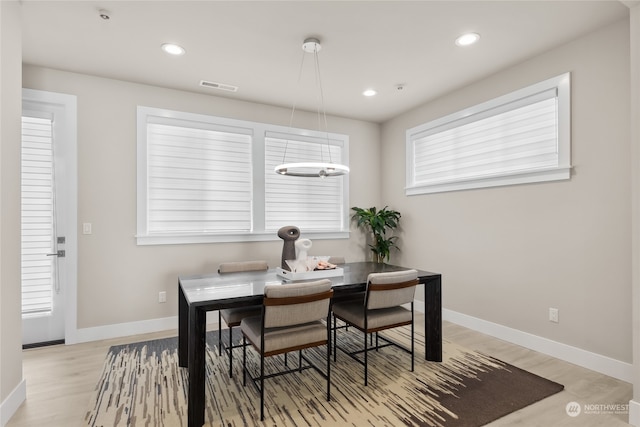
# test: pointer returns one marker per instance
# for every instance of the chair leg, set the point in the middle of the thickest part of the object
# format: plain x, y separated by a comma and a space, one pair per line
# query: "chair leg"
329, 358
412, 331
261, 385
412, 349
230, 352
366, 365
244, 360
220, 333
335, 327
285, 360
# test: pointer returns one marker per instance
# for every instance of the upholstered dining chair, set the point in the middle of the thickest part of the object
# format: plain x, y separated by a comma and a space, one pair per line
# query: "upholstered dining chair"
292, 319
336, 260
233, 316
381, 309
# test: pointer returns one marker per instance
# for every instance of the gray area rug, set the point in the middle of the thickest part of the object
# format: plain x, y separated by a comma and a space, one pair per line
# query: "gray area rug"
142, 385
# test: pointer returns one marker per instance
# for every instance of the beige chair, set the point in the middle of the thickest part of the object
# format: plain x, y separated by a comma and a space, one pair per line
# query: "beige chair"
292, 319
233, 316
381, 309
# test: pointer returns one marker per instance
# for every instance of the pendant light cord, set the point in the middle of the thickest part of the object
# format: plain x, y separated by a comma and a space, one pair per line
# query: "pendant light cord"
324, 112
321, 108
295, 103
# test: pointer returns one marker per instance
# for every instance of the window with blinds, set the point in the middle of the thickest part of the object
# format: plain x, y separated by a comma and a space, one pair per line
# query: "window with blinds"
199, 180
212, 179
313, 204
521, 137
37, 216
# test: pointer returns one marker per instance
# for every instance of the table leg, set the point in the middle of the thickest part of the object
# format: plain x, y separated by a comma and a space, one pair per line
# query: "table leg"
183, 329
433, 319
197, 337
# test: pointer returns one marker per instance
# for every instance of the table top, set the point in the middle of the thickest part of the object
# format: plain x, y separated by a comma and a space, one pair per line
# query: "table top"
215, 287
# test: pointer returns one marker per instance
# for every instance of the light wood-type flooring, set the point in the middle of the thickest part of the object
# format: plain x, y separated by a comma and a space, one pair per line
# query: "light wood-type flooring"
60, 381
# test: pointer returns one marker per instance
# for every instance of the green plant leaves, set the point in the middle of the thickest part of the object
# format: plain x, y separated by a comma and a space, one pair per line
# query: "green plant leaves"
378, 222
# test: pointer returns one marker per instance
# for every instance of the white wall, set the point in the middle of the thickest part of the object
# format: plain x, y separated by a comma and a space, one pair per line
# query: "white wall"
118, 282
634, 23
12, 386
507, 254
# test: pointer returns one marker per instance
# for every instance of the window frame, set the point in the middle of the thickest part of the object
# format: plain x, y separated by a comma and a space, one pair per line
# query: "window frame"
561, 84
259, 133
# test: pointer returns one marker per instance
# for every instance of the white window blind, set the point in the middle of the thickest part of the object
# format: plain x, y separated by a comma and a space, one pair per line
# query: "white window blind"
199, 180
37, 216
522, 137
312, 204
204, 179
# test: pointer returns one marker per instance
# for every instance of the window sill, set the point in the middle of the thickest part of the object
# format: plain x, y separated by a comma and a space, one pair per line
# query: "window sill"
553, 174
187, 239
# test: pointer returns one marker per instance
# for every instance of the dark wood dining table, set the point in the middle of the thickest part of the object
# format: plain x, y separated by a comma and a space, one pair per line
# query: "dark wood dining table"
202, 293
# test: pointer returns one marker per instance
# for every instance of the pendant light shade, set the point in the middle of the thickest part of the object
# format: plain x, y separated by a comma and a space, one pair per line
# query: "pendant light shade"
320, 168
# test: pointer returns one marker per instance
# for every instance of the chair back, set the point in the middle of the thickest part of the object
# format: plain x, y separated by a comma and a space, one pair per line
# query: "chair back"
239, 266
390, 289
296, 303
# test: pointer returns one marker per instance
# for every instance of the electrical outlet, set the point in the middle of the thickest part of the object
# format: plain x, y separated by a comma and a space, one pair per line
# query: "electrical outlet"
553, 315
162, 296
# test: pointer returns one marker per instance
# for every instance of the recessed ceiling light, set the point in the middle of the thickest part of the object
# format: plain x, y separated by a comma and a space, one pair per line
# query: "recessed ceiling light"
467, 39
369, 92
173, 49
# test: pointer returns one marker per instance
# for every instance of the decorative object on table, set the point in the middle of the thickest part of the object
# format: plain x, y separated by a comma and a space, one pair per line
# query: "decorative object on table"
296, 262
320, 168
379, 223
289, 234
302, 248
315, 267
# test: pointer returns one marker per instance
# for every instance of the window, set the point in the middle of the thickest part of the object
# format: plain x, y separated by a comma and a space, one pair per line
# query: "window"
517, 138
211, 179
38, 214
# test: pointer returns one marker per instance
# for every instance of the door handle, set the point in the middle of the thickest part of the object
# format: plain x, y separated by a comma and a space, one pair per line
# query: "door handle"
60, 253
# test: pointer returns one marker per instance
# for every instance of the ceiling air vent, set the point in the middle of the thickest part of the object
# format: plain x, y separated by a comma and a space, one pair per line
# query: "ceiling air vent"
219, 86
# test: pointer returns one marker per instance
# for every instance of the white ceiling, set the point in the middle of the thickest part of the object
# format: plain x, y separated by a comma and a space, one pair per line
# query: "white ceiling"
257, 45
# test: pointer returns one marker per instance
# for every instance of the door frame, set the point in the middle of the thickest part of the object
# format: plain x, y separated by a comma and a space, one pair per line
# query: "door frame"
66, 113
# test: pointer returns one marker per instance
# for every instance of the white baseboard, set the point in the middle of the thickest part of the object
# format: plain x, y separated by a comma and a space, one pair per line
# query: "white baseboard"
121, 330
593, 361
132, 328
634, 413
11, 404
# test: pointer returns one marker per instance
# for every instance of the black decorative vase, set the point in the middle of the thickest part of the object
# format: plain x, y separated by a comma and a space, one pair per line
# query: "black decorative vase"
289, 234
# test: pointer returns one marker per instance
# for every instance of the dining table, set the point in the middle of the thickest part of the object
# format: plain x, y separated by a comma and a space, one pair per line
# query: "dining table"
199, 294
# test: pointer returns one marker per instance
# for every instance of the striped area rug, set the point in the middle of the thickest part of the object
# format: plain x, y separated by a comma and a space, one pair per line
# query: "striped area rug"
142, 385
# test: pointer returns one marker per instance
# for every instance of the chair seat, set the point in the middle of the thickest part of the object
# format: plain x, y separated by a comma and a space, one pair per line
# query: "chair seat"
233, 316
276, 339
380, 318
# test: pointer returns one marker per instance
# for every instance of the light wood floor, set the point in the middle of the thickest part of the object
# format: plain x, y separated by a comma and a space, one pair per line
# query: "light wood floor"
60, 380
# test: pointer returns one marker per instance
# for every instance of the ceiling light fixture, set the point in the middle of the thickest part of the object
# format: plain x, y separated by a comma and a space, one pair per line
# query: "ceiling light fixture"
173, 49
370, 92
467, 39
319, 169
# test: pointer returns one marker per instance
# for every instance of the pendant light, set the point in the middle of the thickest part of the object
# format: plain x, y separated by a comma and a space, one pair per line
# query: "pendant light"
321, 168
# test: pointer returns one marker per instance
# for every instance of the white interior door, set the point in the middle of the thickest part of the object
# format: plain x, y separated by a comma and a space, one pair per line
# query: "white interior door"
45, 194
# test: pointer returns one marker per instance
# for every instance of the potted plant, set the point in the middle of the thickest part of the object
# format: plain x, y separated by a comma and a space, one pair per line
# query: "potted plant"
378, 222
